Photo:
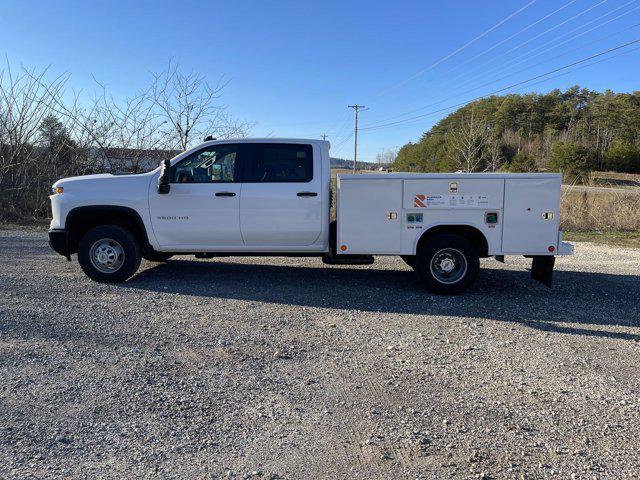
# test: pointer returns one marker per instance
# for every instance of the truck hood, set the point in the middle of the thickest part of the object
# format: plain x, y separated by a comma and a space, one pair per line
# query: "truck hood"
82, 178
102, 181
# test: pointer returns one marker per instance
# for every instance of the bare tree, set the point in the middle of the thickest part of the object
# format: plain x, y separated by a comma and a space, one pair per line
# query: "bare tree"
494, 155
24, 103
386, 158
468, 142
190, 107
176, 110
46, 134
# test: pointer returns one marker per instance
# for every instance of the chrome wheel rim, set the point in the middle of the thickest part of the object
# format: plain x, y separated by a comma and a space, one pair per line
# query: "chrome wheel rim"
448, 266
106, 255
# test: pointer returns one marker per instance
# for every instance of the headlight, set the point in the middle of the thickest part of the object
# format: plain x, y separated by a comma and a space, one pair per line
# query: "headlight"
56, 190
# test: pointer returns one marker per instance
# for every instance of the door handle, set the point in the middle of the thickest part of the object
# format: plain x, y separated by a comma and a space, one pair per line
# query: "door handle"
307, 194
225, 194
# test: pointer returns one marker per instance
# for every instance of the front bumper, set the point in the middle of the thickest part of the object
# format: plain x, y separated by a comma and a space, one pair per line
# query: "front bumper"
59, 242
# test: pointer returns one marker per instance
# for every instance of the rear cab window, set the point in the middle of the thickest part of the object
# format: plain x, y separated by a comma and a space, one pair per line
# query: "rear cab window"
278, 163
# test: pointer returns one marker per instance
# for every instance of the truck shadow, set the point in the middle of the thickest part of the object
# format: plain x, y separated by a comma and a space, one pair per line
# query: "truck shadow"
583, 298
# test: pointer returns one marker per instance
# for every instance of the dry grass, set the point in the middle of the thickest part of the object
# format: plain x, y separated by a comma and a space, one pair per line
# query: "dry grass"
583, 211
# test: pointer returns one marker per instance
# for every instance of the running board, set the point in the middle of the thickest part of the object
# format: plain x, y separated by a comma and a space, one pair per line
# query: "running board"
347, 259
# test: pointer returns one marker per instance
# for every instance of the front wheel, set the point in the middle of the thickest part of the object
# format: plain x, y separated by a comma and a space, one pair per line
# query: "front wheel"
109, 254
447, 264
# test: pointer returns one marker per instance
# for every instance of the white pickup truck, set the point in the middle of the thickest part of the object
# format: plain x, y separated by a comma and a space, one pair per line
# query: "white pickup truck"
273, 197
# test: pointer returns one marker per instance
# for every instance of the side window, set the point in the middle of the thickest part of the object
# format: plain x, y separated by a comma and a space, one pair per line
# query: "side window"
209, 165
279, 162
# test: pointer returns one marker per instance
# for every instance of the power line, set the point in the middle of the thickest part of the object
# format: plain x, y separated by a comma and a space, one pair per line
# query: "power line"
343, 141
528, 55
564, 22
338, 134
586, 59
343, 122
510, 37
548, 60
458, 50
512, 73
524, 55
453, 107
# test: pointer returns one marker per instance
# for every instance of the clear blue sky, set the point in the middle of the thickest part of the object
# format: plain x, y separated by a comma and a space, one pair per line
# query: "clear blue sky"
294, 66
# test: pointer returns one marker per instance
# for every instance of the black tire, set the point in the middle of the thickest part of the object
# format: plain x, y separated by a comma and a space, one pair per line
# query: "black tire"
409, 260
452, 251
113, 237
157, 256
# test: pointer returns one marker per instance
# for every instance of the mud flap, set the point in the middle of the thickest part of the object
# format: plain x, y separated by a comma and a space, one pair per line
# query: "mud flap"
542, 269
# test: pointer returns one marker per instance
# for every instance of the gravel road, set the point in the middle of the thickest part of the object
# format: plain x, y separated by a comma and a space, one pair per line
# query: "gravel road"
286, 368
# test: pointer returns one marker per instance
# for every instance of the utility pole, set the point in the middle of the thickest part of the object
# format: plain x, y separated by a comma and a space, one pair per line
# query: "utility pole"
324, 136
356, 109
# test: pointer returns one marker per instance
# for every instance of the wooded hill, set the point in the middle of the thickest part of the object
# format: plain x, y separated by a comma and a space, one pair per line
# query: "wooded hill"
574, 131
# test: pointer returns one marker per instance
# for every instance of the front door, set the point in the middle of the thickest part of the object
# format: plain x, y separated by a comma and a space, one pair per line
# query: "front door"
202, 208
281, 203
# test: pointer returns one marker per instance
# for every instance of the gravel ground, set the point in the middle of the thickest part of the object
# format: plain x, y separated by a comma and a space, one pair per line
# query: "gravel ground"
286, 368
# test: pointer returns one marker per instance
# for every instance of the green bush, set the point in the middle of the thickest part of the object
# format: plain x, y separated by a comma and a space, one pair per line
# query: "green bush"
574, 161
521, 162
623, 157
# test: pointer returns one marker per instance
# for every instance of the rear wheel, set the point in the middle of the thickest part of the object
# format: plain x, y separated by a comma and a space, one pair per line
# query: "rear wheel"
447, 264
109, 254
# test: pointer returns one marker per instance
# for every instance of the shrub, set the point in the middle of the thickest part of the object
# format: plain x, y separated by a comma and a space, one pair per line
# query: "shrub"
522, 162
574, 161
623, 157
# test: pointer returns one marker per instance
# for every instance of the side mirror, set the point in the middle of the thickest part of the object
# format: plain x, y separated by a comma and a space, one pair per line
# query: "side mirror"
163, 179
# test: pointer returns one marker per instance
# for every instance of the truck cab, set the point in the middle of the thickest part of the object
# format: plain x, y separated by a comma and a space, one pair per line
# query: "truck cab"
273, 197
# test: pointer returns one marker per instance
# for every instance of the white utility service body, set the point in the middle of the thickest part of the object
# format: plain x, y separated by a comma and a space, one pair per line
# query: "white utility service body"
273, 197
386, 214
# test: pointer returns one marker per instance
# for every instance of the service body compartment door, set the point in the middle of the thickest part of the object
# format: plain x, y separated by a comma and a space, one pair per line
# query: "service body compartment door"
457, 200
369, 216
531, 215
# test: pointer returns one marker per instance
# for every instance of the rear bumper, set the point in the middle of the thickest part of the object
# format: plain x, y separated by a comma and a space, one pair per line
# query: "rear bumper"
565, 248
59, 242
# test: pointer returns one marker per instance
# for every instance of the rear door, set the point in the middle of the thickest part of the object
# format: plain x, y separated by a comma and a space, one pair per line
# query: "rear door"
281, 201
